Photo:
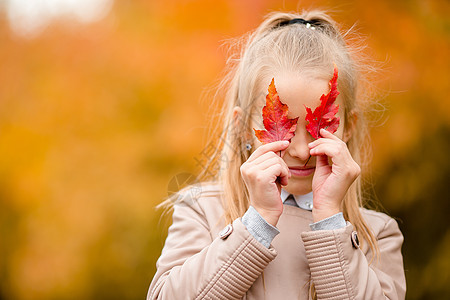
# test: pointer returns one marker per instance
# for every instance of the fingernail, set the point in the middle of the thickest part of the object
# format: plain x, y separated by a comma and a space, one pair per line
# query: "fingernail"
285, 143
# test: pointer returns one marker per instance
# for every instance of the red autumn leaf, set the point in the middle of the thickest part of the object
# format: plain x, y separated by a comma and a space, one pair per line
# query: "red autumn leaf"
278, 127
324, 115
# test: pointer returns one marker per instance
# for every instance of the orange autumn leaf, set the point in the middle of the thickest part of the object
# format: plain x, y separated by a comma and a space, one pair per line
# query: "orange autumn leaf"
278, 127
324, 116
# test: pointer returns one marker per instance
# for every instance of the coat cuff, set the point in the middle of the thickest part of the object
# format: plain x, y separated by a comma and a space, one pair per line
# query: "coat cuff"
245, 260
325, 251
334, 222
262, 231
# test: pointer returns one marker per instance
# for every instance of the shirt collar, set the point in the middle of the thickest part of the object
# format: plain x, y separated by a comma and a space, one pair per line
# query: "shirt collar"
303, 201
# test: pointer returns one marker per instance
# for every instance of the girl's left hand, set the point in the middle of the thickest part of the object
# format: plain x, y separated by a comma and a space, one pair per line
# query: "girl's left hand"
331, 182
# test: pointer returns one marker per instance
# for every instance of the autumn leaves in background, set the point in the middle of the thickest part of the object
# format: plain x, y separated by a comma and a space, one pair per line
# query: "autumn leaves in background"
278, 127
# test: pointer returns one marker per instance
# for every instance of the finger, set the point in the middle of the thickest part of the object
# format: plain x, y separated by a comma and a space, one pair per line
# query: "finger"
284, 167
274, 160
278, 172
266, 156
322, 160
274, 146
338, 145
325, 149
332, 148
320, 142
264, 164
326, 134
266, 160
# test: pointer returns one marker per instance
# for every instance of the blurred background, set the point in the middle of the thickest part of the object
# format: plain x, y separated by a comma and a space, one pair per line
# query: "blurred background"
100, 109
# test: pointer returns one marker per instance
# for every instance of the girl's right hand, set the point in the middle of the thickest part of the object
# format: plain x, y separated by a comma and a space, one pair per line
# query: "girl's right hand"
260, 173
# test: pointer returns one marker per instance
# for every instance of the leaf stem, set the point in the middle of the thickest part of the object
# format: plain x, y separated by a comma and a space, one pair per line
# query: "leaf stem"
307, 161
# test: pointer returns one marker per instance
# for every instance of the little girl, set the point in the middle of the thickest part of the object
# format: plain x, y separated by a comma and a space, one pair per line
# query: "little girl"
296, 226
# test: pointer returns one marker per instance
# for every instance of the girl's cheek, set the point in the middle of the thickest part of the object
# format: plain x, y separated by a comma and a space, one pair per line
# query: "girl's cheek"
256, 143
340, 131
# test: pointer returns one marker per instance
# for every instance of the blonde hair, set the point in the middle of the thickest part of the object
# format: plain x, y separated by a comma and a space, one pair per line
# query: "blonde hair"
297, 48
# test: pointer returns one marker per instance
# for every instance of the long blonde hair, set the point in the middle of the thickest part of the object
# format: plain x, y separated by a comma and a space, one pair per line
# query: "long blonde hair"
293, 47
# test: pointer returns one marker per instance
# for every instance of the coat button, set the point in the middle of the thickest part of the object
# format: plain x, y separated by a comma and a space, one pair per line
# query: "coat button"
355, 240
224, 233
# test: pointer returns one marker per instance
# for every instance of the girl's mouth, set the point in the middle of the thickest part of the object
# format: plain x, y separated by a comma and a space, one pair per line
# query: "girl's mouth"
302, 171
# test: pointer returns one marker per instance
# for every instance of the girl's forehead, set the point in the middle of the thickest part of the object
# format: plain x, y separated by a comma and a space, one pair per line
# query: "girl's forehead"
295, 89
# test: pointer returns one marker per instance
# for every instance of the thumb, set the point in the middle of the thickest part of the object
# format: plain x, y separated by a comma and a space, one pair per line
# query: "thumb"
321, 161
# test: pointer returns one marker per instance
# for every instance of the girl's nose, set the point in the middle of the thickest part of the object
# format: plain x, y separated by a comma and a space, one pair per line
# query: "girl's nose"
299, 145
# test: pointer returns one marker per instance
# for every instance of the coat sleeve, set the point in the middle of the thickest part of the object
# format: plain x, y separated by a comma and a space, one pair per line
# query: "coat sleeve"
341, 271
195, 265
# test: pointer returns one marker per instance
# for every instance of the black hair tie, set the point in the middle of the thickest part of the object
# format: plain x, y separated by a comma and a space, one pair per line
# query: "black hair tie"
300, 21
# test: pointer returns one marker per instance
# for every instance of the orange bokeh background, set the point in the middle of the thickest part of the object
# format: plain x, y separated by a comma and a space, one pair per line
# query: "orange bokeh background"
97, 118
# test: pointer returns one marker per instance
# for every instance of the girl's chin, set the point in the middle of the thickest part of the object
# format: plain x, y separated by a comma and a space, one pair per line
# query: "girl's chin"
297, 188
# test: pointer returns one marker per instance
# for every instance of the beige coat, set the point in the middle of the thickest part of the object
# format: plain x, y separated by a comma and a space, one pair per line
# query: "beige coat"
196, 263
